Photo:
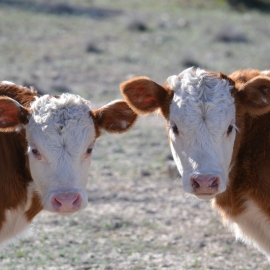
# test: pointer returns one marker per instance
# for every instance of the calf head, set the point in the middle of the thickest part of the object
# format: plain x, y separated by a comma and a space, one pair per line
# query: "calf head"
199, 107
61, 132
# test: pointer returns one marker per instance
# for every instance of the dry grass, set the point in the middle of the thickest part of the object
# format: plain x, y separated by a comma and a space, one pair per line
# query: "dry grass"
137, 218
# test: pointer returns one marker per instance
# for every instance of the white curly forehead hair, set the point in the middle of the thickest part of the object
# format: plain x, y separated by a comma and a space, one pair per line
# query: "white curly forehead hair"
199, 85
61, 112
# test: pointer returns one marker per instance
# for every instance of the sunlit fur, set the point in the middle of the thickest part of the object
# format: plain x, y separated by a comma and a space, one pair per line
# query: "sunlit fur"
16, 220
202, 108
252, 227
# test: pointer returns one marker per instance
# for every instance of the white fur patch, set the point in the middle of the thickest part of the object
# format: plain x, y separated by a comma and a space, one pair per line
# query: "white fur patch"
7, 82
197, 85
61, 129
16, 222
266, 72
63, 112
124, 124
252, 227
202, 109
264, 100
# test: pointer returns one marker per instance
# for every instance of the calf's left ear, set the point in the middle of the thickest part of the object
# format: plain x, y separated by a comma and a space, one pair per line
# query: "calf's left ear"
115, 117
12, 114
254, 95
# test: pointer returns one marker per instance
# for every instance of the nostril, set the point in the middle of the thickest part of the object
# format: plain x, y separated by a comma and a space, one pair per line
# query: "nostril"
194, 183
66, 202
56, 202
215, 183
205, 183
77, 201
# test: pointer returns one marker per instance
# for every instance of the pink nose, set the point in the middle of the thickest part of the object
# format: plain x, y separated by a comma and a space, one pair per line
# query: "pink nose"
205, 184
66, 202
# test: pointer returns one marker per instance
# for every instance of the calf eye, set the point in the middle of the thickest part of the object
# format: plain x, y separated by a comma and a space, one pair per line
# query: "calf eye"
35, 152
175, 129
89, 151
230, 128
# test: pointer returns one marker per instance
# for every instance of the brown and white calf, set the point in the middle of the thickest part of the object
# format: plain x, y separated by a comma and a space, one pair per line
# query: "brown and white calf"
219, 133
45, 152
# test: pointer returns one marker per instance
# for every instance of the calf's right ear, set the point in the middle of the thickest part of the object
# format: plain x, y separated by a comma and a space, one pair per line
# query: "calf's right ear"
12, 114
254, 95
145, 96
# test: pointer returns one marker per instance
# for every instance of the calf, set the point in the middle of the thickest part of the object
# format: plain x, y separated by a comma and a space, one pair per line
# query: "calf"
219, 133
45, 152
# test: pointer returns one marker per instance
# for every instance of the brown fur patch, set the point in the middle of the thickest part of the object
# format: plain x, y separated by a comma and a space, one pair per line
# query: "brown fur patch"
15, 175
21, 94
11, 115
255, 95
35, 208
250, 175
145, 96
240, 77
97, 129
114, 118
14, 170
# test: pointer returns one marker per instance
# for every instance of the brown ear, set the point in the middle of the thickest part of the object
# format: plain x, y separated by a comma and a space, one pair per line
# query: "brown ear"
12, 114
115, 117
254, 95
145, 96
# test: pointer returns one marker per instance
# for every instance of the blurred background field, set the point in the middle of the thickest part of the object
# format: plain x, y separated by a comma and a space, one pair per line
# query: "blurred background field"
89, 47
138, 216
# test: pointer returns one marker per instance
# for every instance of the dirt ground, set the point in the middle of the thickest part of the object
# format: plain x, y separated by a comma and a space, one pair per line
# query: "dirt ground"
138, 216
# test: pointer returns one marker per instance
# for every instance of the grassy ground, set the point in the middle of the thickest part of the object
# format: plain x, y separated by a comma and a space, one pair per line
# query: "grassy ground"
138, 216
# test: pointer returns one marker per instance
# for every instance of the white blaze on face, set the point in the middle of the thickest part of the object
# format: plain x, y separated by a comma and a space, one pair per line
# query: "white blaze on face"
202, 129
60, 135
